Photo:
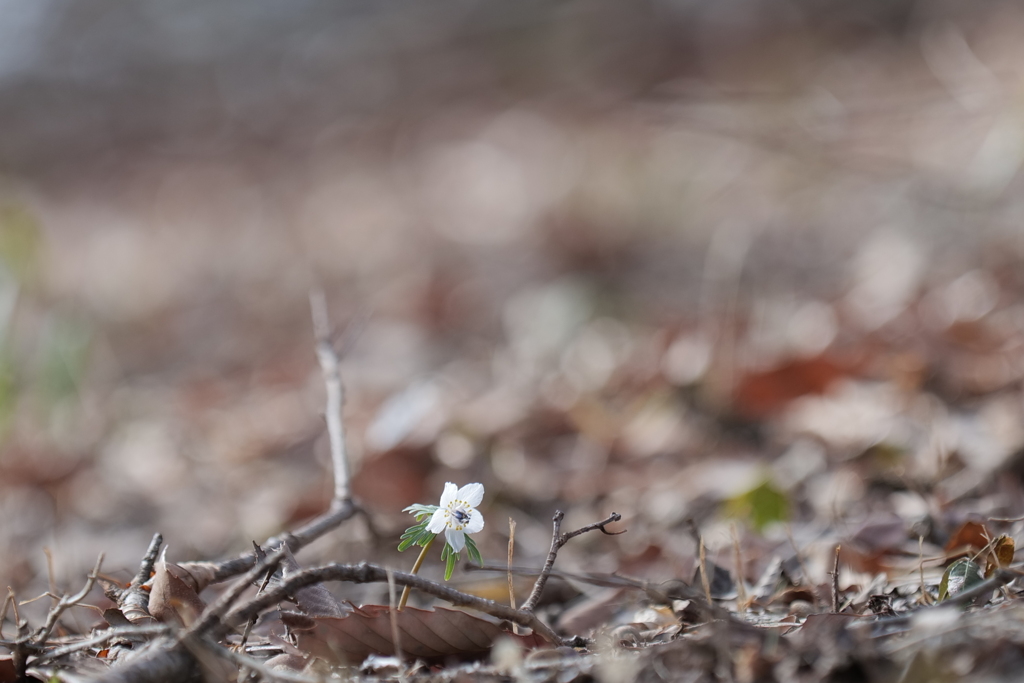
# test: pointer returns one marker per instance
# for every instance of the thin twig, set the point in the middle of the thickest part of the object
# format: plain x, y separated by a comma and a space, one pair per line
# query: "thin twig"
65, 602
214, 612
925, 597
396, 639
14, 605
705, 582
330, 365
50, 576
835, 582
369, 573
104, 636
3, 612
511, 583
741, 586
557, 541
263, 586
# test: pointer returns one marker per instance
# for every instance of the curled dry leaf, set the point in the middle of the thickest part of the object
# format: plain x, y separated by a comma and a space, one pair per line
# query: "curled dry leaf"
431, 635
116, 618
1003, 549
174, 597
200, 574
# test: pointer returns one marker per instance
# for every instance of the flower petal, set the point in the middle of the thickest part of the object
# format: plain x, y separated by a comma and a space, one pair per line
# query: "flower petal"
438, 522
472, 494
456, 539
475, 523
450, 493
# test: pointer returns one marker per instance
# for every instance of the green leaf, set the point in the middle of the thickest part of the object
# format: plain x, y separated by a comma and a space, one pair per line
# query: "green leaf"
762, 505
474, 552
449, 567
962, 575
420, 511
417, 534
413, 531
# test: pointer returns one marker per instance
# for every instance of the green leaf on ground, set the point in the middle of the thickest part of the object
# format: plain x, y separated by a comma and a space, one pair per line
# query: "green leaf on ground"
762, 505
962, 575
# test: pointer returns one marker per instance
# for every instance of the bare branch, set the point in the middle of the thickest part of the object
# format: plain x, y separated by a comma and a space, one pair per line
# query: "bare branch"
295, 541
65, 602
330, 365
213, 613
263, 586
369, 573
135, 632
557, 541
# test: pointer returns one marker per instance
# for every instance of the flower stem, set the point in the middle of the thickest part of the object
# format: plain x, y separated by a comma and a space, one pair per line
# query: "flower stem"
415, 569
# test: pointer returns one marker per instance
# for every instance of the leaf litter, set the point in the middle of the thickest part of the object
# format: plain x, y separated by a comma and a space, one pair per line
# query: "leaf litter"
854, 388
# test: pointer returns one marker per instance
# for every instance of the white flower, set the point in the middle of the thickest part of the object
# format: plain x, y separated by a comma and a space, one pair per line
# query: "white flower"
458, 515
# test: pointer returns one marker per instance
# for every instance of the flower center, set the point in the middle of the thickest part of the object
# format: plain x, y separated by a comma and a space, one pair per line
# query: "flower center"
460, 515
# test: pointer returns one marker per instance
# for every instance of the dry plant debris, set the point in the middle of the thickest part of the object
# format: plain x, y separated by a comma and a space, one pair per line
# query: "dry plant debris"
778, 329
723, 622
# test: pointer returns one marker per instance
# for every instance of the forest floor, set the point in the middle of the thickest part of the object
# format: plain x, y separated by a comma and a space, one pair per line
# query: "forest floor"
763, 346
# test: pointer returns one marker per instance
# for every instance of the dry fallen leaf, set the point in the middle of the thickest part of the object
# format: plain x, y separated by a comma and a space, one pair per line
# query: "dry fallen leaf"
1001, 555
431, 635
971, 535
173, 596
764, 393
8, 674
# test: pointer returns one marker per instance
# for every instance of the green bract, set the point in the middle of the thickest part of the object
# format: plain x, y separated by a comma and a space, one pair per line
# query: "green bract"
417, 534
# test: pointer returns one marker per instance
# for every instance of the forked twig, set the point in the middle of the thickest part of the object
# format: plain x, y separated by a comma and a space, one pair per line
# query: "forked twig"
214, 612
65, 602
557, 541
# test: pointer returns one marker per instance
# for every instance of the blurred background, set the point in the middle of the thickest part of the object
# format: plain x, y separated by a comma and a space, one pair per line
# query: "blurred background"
752, 263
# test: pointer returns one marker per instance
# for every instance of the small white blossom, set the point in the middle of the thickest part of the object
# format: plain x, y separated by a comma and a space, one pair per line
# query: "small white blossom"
458, 515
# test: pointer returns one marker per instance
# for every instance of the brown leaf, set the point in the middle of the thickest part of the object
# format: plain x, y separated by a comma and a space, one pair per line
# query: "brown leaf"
8, 674
760, 394
431, 635
115, 617
199, 574
1001, 555
173, 597
971, 535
